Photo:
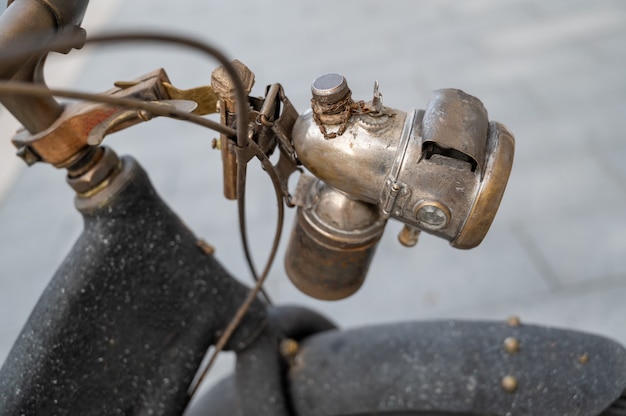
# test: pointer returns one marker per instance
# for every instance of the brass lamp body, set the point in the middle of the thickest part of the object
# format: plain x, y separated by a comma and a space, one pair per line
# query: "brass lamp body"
332, 244
442, 170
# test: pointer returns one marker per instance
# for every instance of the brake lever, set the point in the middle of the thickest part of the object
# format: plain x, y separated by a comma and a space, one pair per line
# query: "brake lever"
87, 123
127, 118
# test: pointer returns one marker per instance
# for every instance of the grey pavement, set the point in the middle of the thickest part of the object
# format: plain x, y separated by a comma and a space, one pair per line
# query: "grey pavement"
553, 72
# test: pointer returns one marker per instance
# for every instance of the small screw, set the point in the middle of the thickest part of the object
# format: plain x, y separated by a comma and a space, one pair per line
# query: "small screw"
216, 144
583, 359
509, 384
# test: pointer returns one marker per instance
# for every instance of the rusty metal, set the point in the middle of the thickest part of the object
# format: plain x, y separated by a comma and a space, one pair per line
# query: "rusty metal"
270, 121
332, 244
232, 73
284, 124
44, 111
274, 121
89, 157
101, 165
78, 126
442, 170
224, 87
178, 109
332, 104
583, 358
409, 236
268, 108
204, 96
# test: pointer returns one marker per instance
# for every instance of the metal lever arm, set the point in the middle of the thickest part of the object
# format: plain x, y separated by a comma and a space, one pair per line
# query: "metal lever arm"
86, 123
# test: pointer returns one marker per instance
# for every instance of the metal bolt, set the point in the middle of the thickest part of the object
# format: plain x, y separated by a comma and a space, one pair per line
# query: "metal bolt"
583, 359
409, 236
511, 345
509, 384
216, 144
98, 167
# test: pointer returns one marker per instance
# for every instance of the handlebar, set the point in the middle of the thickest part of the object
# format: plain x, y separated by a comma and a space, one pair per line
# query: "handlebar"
26, 23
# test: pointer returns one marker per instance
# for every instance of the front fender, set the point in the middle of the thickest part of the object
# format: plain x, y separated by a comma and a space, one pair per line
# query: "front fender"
456, 367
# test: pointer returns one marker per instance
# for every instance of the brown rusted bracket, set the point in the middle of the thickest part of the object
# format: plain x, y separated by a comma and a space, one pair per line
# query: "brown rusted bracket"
274, 117
85, 124
282, 126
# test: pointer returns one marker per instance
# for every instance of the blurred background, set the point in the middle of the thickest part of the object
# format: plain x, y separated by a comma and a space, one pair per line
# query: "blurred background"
553, 72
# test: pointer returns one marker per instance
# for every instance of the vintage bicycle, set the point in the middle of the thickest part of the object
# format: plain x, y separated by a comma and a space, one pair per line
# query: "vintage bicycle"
125, 322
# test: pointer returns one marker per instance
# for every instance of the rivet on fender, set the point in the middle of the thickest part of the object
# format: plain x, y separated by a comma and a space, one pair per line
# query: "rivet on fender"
513, 321
509, 383
289, 348
511, 345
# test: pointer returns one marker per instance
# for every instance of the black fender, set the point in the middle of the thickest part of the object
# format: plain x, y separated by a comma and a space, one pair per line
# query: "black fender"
456, 367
